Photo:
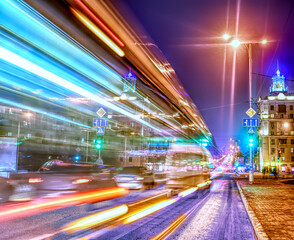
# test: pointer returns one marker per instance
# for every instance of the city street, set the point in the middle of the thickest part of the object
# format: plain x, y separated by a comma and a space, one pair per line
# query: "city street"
205, 214
146, 119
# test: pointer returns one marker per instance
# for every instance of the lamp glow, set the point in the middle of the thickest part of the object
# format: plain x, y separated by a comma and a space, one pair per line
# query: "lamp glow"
235, 43
286, 124
264, 41
226, 36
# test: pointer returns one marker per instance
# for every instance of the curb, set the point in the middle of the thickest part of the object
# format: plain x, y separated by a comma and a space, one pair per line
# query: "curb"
258, 229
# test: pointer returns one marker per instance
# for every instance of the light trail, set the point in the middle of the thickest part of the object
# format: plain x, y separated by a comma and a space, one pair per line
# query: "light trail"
98, 33
95, 219
34, 207
149, 210
23, 63
93, 16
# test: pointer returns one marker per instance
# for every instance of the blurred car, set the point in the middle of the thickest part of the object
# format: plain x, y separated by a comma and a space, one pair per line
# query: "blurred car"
57, 177
6, 190
134, 178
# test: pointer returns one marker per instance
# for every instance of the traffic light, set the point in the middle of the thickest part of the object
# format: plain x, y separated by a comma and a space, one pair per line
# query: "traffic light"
251, 141
98, 143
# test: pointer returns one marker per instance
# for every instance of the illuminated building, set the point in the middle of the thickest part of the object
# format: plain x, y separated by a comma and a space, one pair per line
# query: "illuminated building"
276, 132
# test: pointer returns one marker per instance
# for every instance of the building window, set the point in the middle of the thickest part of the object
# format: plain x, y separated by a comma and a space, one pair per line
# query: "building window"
130, 159
283, 158
272, 125
282, 108
283, 141
291, 107
272, 107
292, 141
282, 115
292, 159
273, 142
273, 158
272, 133
282, 150
291, 115
272, 115
292, 150
273, 151
121, 159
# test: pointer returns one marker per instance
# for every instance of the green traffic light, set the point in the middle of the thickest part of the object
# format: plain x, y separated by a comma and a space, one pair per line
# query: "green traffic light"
98, 144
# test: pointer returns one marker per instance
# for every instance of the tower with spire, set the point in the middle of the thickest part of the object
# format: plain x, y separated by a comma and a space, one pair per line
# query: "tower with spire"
278, 84
130, 82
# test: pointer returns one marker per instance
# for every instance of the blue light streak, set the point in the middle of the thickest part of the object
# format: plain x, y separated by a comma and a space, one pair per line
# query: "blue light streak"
19, 105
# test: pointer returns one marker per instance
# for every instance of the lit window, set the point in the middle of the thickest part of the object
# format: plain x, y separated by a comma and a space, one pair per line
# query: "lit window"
292, 150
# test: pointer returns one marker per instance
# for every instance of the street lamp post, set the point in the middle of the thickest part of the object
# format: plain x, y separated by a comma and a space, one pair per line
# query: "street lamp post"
236, 43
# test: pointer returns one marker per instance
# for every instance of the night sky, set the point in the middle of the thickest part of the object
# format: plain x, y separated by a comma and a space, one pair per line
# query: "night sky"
189, 34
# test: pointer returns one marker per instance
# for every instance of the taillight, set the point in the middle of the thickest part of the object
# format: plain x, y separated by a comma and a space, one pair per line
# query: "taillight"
35, 180
139, 178
81, 181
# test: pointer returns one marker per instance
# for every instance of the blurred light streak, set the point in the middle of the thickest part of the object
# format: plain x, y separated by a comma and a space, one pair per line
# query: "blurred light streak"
35, 69
149, 210
187, 192
35, 207
98, 33
233, 91
99, 22
19, 105
201, 184
28, 24
95, 219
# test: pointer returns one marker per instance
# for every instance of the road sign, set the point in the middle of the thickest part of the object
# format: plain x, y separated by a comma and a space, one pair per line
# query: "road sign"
100, 131
250, 122
100, 122
250, 112
101, 112
251, 130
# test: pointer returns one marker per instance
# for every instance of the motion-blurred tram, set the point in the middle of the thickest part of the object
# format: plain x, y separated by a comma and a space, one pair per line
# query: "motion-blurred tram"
187, 165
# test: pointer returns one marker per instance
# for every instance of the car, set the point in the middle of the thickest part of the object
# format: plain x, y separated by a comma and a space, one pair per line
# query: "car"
133, 177
57, 177
6, 189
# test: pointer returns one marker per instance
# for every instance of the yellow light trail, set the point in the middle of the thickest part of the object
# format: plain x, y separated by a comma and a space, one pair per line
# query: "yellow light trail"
149, 210
96, 219
98, 32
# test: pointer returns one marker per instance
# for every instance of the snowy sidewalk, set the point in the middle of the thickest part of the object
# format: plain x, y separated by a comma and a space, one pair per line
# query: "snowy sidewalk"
271, 202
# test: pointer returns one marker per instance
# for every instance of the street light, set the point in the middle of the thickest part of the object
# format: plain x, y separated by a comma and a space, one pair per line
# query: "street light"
226, 36
236, 43
286, 125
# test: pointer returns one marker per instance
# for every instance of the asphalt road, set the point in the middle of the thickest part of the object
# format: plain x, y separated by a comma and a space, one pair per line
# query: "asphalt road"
215, 213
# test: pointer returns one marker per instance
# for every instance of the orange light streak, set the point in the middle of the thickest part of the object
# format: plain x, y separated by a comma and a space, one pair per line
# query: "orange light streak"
99, 22
95, 219
31, 208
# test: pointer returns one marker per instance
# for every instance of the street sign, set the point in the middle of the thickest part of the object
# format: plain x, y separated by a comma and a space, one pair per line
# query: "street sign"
250, 112
100, 131
250, 122
251, 130
100, 122
101, 112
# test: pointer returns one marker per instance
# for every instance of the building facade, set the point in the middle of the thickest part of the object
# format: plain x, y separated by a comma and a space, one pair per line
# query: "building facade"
276, 132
